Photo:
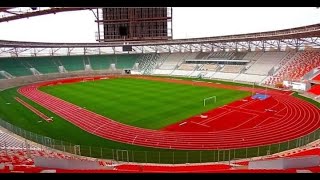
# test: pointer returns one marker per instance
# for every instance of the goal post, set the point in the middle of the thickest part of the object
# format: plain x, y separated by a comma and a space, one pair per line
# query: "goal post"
212, 98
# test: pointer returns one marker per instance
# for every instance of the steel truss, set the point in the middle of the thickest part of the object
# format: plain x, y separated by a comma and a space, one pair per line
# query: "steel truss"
14, 13
296, 38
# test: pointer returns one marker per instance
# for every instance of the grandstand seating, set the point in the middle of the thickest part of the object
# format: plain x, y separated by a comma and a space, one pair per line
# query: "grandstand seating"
202, 55
195, 73
161, 59
297, 66
226, 76
162, 71
22, 161
126, 61
250, 78
10, 142
101, 62
15, 157
209, 67
315, 89
181, 72
252, 55
265, 63
273, 79
14, 66
191, 55
71, 63
17, 153
188, 67
148, 62
172, 61
284, 65
209, 74
239, 55
232, 68
43, 64
221, 55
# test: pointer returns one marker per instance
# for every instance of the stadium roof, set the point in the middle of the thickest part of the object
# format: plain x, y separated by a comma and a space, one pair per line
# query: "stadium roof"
15, 13
299, 32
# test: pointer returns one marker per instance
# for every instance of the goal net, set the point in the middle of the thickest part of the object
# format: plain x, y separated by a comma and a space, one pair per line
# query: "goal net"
209, 100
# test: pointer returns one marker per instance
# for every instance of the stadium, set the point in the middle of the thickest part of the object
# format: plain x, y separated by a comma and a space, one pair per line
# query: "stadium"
140, 101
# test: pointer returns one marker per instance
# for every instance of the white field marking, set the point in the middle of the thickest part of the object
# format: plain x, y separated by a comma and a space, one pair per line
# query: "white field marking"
254, 115
99, 127
247, 103
199, 124
240, 108
242, 123
277, 113
216, 117
134, 139
265, 120
182, 123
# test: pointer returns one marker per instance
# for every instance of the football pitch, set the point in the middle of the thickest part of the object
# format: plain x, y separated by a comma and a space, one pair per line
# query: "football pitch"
143, 103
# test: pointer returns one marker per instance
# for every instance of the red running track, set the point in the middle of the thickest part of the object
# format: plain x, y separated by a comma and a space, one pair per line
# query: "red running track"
299, 118
240, 114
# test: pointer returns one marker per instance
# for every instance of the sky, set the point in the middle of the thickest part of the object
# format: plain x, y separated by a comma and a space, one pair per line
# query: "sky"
188, 22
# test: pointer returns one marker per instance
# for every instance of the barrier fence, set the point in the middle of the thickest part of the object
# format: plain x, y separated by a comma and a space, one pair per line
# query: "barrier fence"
160, 156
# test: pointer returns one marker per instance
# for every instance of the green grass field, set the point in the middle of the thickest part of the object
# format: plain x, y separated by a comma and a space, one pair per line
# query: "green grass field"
67, 135
143, 103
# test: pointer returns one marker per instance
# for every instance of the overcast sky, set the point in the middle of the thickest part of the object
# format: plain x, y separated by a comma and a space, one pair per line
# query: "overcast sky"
187, 23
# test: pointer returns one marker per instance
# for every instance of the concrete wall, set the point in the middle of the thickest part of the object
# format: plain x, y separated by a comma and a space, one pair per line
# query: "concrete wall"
286, 163
56, 163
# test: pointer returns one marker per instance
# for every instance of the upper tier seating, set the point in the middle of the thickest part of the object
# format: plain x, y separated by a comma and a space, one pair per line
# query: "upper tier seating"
296, 67
271, 80
181, 72
162, 71
252, 55
232, 68
126, 61
221, 55
250, 78
15, 66
188, 67
209, 67
226, 76
10, 142
72, 63
100, 62
43, 64
265, 63
172, 61
202, 55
